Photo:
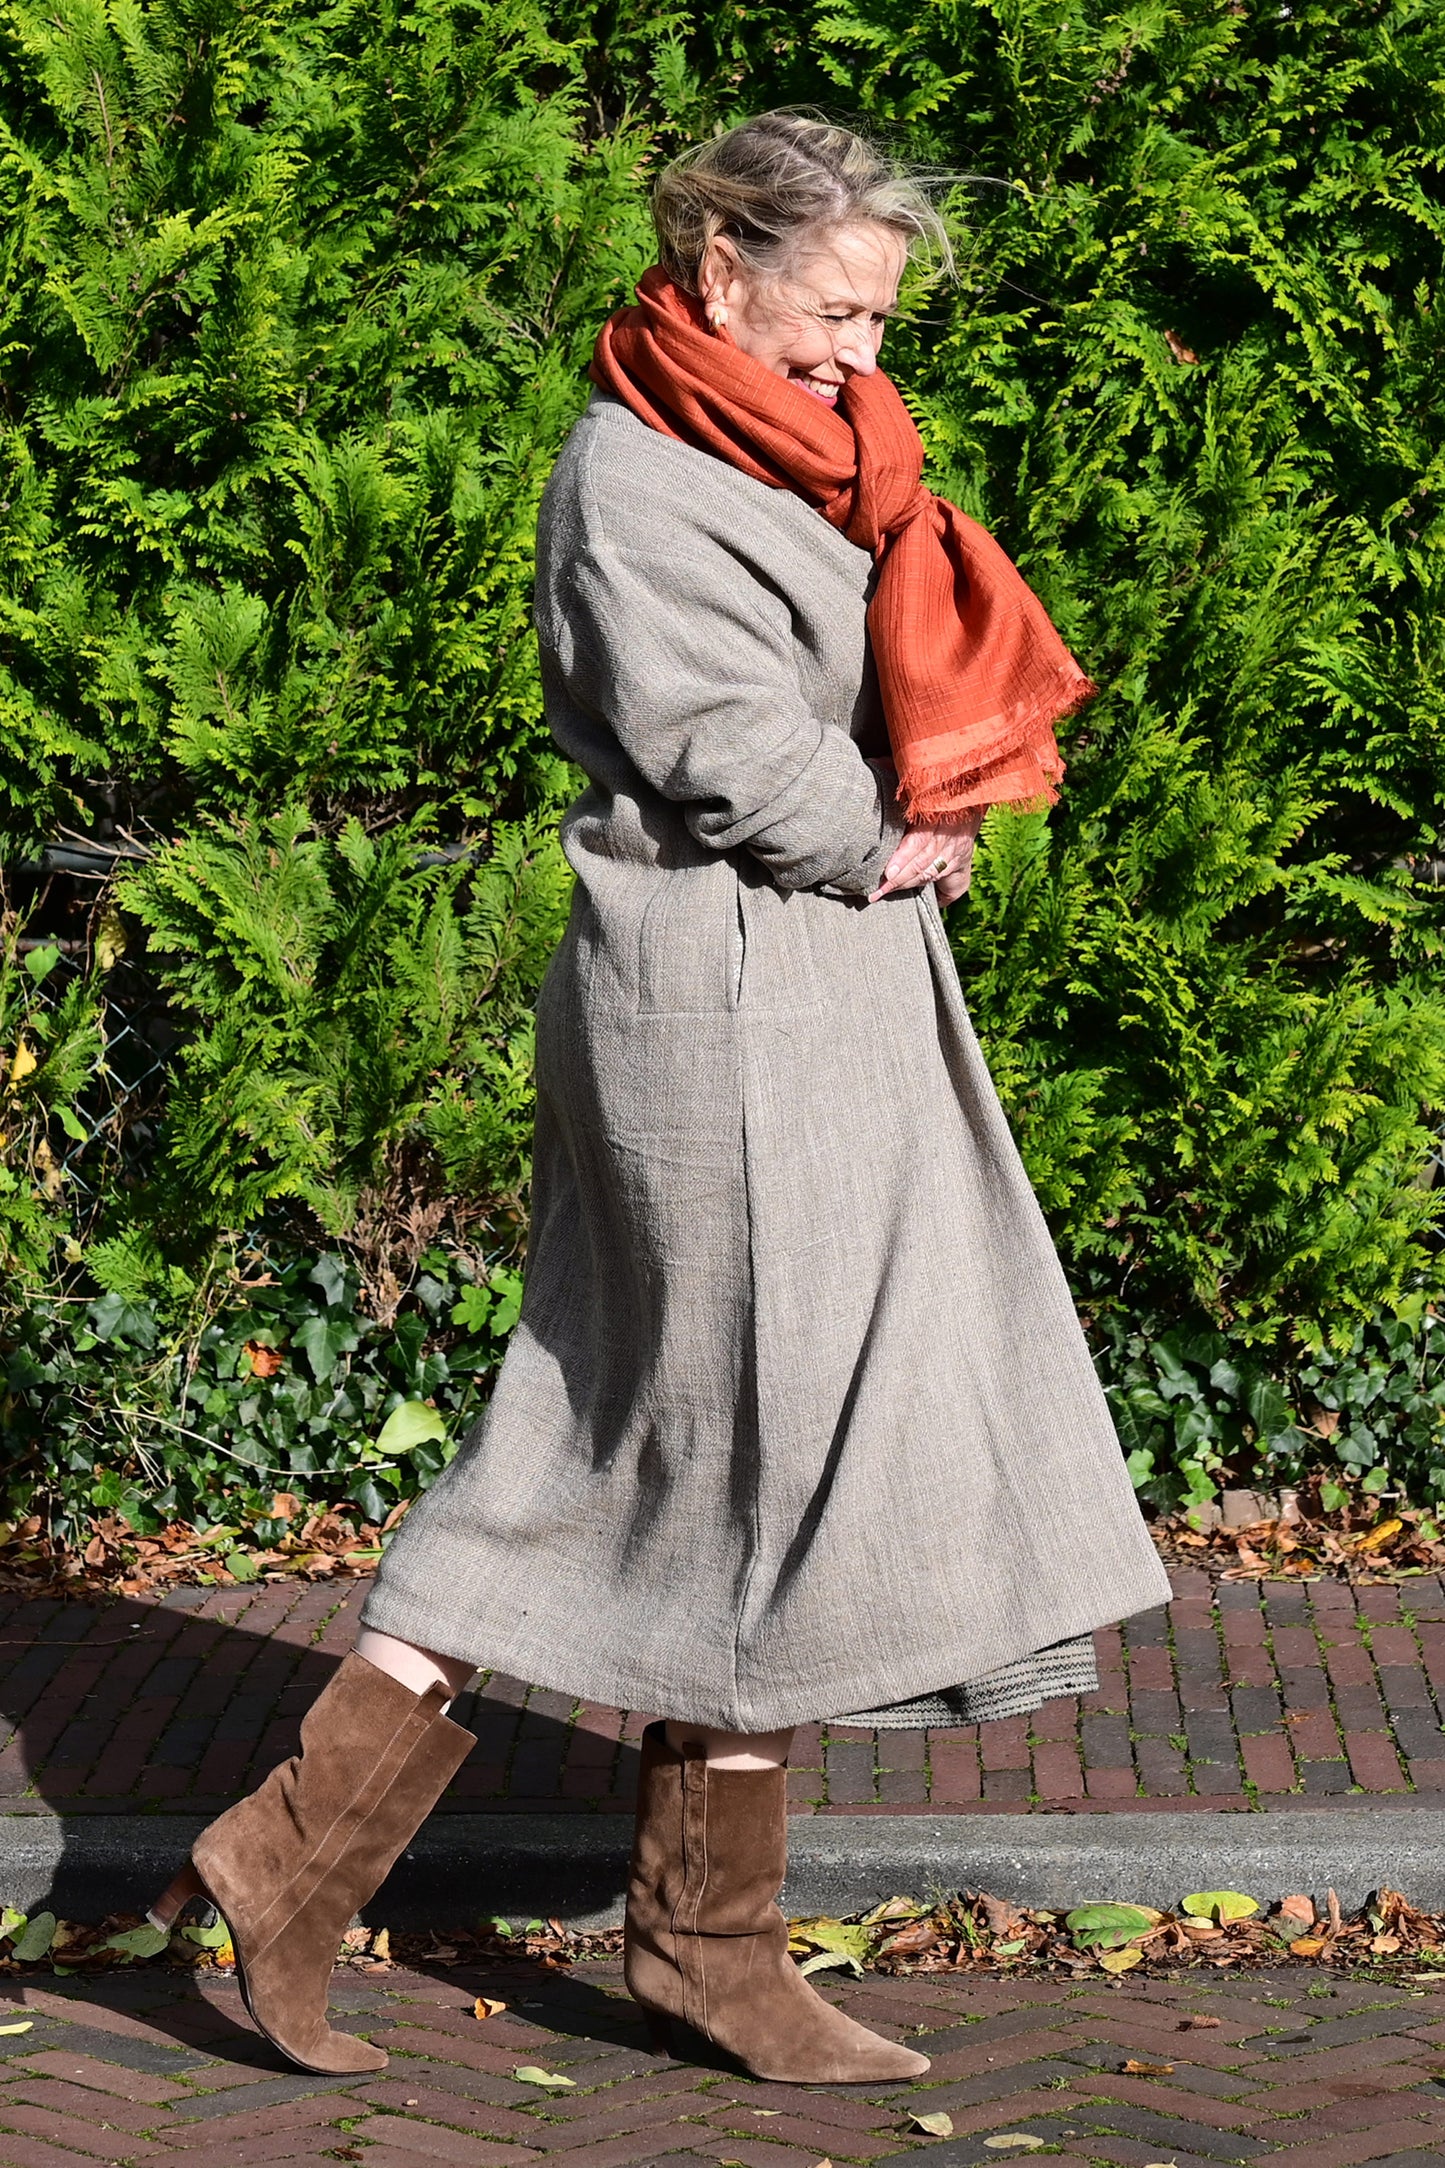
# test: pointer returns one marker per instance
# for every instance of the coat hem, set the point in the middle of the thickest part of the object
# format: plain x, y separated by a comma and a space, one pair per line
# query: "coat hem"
824, 1702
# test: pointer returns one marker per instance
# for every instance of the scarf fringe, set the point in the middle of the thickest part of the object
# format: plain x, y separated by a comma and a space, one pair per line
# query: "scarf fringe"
935, 792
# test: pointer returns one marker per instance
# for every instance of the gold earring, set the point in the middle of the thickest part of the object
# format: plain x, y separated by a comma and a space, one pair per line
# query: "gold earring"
717, 316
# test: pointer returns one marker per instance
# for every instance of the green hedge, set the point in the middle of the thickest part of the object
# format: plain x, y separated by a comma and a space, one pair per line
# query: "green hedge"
297, 300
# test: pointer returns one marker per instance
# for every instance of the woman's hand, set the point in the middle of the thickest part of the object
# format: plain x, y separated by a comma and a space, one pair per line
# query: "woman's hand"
942, 856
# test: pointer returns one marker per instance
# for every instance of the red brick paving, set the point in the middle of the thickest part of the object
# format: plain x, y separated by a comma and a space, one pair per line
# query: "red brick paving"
1036, 2057
1261, 1697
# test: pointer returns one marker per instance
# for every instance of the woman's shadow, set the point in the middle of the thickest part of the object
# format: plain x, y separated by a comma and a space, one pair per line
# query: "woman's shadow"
130, 1724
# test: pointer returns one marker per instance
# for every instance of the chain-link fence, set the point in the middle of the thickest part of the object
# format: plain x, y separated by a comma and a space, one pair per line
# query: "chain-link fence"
119, 1111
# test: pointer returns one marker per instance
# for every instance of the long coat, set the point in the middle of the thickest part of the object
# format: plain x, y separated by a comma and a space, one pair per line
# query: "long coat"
798, 1419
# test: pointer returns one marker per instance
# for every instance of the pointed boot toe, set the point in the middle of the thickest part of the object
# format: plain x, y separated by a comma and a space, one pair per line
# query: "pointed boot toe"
888, 2060
803, 2040
287, 2002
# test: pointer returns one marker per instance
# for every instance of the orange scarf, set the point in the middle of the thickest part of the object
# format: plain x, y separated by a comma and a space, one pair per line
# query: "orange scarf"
972, 672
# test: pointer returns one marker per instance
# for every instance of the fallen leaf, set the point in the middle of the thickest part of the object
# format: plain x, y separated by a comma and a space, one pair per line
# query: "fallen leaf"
24, 2026
35, 1939
140, 1941
529, 2074
1105, 1927
1298, 1908
485, 2007
1015, 2137
1120, 1960
832, 1941
1178, 349
919, 1935
1219, 1905
214, 1937
1308, 1945
1199, 2024
265, 1361
1003, 1917
937, 2125
381, 1943
1135, 2069
1385, 1945
1378, 1537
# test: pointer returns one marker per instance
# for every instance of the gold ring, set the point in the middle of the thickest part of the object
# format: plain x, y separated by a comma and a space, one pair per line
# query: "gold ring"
940, 865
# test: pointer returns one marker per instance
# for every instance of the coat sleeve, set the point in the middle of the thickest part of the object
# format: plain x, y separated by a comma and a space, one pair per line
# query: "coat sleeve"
688, 660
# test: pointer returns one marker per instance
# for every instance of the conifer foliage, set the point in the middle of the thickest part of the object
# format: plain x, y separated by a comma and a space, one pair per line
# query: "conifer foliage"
296, 301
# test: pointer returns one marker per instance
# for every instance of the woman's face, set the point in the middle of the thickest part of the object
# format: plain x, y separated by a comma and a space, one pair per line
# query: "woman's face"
825, 322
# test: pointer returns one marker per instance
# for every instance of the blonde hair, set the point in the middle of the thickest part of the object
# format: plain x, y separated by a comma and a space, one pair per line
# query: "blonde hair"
770, 183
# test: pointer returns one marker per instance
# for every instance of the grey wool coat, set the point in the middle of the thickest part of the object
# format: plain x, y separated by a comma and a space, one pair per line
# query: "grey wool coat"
798, 1420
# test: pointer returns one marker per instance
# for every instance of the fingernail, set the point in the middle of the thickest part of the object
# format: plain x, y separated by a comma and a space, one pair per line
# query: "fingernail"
890, 872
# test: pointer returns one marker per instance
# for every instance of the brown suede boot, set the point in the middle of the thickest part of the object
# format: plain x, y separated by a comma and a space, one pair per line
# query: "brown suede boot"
705, 1941
288, 1866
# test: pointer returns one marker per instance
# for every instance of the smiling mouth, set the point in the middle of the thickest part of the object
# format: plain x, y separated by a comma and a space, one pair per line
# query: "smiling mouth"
828, 393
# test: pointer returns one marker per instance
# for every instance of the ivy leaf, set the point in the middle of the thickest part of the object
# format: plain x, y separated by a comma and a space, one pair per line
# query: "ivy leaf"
329, 1274
324, 1339
414, 1423
115, 1317
509, 1301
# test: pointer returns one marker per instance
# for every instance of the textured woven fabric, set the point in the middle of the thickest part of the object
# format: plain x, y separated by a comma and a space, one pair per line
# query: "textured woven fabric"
972, 673
797, 1418
1069, 1667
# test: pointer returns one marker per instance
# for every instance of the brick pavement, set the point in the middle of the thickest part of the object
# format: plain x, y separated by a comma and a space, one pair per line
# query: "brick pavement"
1263, 1698
163, 2067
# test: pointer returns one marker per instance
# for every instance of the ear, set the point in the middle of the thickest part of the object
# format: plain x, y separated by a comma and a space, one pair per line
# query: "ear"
717, 272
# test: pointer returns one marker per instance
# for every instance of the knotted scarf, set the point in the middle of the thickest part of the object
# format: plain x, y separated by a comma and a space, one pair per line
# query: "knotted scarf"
972, 673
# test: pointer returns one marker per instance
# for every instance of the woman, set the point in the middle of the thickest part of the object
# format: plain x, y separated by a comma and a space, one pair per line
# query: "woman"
798, 1421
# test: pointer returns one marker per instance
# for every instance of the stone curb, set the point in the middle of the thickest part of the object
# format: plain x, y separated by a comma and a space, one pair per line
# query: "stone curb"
462, 1867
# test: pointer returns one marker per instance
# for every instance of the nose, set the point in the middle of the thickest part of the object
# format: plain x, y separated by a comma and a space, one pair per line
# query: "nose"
856, 350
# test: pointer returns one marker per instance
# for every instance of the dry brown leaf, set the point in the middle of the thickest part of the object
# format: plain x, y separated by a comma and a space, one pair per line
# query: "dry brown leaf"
1298, 1908
485, 2007
1308, 1945
1135, 2069
1178, 349
1003, 1918
1198, 2023
265, 1361
381, 1945
920, 1935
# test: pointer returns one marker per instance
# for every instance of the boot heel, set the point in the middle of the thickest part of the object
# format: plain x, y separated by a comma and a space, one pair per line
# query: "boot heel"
168, 1907
659, 2032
